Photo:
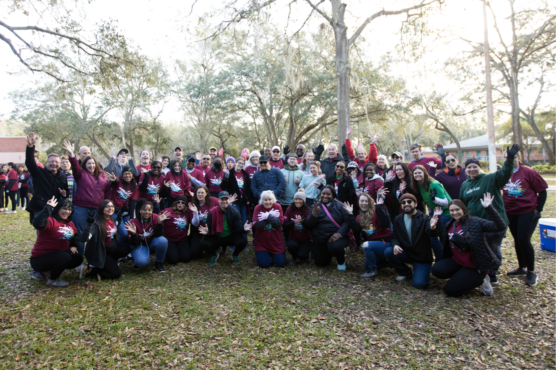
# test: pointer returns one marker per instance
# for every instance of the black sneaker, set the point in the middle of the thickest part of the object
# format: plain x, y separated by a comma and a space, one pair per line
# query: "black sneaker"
292, 262
160, 267
517, 272
493, 280
531, 278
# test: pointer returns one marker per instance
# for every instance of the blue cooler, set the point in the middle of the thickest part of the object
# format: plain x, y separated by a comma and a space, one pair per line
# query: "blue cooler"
547, 228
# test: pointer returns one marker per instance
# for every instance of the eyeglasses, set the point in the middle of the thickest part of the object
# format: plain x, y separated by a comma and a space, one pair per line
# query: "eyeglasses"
453, 160
409, 202
110, 206
340, 167
206, 159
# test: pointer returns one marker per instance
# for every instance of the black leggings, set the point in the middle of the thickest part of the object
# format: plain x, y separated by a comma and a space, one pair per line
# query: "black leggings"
12, 194
22, 196
2, 189
56, 262
299, 250
111, 270
462, 279
522, 228
194, 242
178, 252
211, 243
324, 251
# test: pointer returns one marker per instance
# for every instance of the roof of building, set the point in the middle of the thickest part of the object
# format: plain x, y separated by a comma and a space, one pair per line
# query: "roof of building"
12, 143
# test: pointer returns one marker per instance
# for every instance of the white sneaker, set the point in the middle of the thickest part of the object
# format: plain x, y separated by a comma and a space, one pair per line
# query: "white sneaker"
401, 278
79, 268
486, 288
10, 212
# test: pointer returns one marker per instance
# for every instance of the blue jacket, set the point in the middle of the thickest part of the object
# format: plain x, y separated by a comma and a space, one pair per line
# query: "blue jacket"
271, 179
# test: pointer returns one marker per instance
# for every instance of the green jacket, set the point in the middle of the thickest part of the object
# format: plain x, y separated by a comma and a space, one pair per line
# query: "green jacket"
441, 193
473, 190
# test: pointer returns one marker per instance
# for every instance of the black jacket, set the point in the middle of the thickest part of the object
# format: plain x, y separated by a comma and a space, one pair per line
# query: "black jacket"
383, 220
233, 218
233, 187
392, 202
45, 183
474, 230
329, 167
95, 250
420, 248
40, 221
322, 227
346, 190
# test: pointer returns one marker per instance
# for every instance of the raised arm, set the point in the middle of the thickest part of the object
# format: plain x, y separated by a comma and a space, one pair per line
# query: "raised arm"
503, 175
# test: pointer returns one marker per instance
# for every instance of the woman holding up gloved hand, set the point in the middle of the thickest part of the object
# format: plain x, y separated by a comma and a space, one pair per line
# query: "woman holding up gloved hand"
267, 232
479, 183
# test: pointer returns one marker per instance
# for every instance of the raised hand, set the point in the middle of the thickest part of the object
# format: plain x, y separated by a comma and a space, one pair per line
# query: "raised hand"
353, 175
434, 221
298, 220
390, 175
69, 147
432, 164
437, 211
513, 150
402, 187
348, 132
286, 150
130, 227
247, 227
232, 199
156, 199
191, 194
144, 170
439, 149
382, 191
110, 176
63, 192
374, 138
358, 192
203, 230
163, 217
348, 207
91, 217
316, 209
192, 207
379, 200
32, 139
487, 200
52, 202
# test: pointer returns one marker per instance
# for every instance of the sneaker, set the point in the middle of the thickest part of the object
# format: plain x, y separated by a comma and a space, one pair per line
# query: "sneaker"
58, 283
292, 262
531, 278
342, 267
493, 280
39, 276
160, 267
10, 212
402, 278
517, 272
370, 274
486, 288
135, 267
235, 260
232, 249
79, 268
213, 259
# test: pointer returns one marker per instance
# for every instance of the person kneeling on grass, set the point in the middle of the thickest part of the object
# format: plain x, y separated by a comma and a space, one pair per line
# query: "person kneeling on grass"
145, 235
103, 249
176, 226
467, 256
56, 247
267, 235
372, 225
299, 242
411, 238
223, 229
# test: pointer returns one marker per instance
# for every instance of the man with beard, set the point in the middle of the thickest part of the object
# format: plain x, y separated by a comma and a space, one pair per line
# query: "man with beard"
411, 240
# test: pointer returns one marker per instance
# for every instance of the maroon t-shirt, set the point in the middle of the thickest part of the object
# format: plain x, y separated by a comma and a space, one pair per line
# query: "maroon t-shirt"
520, 193
278, 164
145, 229
178, 185
371, 187
298, 233
122, 193
12, 175
423, 162
197, 175
268, 239
374, 231
140, 168
175, 227
203, 211
214, 180
54, 237
23, 177
154, 186
111, 230
204, 170
240, 180
462, 258
251, 170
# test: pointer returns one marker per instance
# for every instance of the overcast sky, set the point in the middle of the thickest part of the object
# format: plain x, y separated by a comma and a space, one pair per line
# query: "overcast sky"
160, 29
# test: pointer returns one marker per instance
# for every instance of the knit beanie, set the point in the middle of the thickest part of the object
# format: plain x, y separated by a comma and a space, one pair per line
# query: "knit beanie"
300, 195
472, 160
408, 196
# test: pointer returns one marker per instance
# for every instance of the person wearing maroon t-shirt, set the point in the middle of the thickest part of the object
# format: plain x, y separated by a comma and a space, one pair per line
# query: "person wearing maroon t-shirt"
12, 186
23, 175
216, 178
56, 247
196, 176
418, 158
275, 160
524, 198
124, 195
176, 226
467, 258
267, 234
204, 167
146, 236
102, 249
144, 162
372, 225
240, 184
176, 182
252, 165
299, 241
151, 184
198, 213
372, 182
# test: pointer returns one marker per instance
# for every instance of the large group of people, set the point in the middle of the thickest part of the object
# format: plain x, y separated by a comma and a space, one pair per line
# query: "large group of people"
431, 216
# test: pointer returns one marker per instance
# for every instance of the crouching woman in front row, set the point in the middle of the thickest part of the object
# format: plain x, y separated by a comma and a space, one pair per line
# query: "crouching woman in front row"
103, 249
467, 256
56, 247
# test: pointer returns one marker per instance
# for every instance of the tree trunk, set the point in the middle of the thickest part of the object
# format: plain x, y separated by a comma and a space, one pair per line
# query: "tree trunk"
516, 125
92, 138
546, 146
343, 70
131, 146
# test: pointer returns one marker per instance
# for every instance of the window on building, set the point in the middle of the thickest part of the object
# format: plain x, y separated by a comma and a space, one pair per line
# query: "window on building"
531, 151
478, 153
468, 153
487, 153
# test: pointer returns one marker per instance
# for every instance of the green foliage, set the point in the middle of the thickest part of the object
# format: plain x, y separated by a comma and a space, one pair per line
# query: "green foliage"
545, 169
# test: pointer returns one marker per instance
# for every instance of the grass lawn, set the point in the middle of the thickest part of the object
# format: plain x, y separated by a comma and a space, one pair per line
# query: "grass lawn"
301, 317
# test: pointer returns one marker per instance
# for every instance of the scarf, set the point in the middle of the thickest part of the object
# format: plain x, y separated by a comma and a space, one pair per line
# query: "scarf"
217, 225
453, 171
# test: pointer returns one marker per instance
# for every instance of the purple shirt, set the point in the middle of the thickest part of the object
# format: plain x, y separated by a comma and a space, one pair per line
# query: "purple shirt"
452, 184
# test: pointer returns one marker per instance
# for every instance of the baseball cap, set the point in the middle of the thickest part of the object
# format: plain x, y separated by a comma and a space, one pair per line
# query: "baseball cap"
223, 194
191, 157
263, 158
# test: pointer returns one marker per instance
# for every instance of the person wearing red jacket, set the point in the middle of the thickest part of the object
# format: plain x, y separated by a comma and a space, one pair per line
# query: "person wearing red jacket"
361, 157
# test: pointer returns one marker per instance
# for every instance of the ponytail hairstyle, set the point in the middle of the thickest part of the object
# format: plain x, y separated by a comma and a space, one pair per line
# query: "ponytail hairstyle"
99, 217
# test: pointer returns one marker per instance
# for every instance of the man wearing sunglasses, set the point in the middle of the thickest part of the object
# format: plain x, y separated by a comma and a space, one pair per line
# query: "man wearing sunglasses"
275, 160
204, 166
411, 240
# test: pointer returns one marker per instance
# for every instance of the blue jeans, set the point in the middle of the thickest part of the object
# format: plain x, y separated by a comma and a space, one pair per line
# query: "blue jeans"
374, 254
265, 259
421, 271
437, 247
122, 232
79, 219
142, 254
242, 209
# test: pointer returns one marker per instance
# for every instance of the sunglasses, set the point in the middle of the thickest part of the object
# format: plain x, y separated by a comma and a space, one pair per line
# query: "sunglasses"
275, 151
409, 202
206, 159
450, 161
395, 157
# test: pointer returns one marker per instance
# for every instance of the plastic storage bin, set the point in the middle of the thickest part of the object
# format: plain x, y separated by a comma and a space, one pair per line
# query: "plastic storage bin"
547, 228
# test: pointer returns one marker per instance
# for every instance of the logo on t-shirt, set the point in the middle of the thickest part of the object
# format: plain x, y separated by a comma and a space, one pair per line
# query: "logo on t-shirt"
123, 194
203, 217
370, 230
111, 231
175, 186
216, 181
298, 227
180, 223
240, 182
514, 189
153, 189
66, 231
269, 228
146, 233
